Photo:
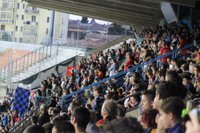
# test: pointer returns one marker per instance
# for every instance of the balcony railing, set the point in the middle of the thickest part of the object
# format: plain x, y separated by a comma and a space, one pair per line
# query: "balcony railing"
6, 20
29, 11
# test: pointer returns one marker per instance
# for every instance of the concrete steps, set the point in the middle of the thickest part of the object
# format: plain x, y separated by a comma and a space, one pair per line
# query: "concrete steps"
63, 55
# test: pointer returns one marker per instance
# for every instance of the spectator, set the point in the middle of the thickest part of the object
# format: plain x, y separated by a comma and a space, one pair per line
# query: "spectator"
164, 90
44, 116
165, 49
34, 129
91, 127
170, 115
108, 112
173, 76
63, 127
148, 122
188, 85
34, 120
48, 127
123, 125
113, 68
147, 100
129, 62
80, 118
58, 119
97, 103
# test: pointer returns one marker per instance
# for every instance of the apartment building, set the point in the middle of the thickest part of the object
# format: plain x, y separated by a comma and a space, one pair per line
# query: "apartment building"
20, 22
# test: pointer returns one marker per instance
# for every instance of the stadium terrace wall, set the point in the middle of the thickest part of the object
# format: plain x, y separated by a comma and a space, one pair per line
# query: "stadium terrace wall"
59, 69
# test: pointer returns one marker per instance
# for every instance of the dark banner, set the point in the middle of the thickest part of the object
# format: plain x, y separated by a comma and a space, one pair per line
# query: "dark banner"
59, 69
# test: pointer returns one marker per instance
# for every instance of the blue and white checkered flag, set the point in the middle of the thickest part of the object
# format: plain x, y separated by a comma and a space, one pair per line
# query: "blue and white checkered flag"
21, 100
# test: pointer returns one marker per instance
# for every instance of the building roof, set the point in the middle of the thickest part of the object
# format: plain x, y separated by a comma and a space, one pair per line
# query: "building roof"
92, 26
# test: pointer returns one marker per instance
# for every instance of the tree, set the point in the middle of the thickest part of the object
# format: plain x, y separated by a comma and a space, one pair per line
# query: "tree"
84, 20
116, 29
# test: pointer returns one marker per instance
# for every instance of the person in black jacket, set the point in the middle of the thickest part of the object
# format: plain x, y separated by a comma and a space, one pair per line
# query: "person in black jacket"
44, 116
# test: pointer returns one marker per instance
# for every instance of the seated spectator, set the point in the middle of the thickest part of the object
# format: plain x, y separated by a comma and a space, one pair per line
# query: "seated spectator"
123, 125
129, 62
147, 100
34, 120
80, 118
63, 127
91, 126
48, 127
97, 102
44, 116
113, 68
173, 76
164, 90
108, 112
188, 85
148, 122
72, 106
58, 119
121, 112
34, 129
132, 102
170, 115
165, 49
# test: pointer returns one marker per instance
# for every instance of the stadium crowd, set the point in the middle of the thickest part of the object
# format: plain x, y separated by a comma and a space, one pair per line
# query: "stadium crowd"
160, 91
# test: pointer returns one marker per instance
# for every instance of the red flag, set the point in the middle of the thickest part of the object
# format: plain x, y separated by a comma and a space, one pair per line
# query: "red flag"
69, 70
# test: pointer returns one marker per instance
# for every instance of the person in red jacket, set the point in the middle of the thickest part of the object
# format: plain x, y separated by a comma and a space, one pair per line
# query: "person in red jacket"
164, 49
129, 62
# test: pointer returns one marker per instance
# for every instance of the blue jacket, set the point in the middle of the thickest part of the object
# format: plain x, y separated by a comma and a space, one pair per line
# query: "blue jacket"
176, 129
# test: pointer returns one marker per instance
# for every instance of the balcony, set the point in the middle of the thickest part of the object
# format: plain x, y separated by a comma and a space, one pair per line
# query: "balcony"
30, 11
30, 23
6, 21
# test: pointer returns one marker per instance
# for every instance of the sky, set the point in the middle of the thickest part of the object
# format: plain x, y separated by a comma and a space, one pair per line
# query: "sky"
75, 17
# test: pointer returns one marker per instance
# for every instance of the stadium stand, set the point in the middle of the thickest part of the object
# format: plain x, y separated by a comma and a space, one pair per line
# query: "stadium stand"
161, 74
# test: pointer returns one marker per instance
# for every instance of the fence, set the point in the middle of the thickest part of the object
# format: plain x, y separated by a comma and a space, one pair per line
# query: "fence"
15, 66
65, 100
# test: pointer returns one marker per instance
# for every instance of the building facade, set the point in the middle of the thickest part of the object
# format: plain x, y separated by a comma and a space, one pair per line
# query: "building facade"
20, 22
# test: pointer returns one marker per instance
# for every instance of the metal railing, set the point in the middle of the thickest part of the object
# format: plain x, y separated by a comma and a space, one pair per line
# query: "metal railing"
15, 66
65, 100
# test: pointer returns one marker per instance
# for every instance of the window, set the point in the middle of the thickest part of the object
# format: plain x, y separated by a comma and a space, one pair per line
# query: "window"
3, 27
47, 30
5, 5
20, 39
21, 29
16, 28
17, 16
33, 8
9, 15
18, 5
33, 18
47, 19
23, 5
3, 14
22, 17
